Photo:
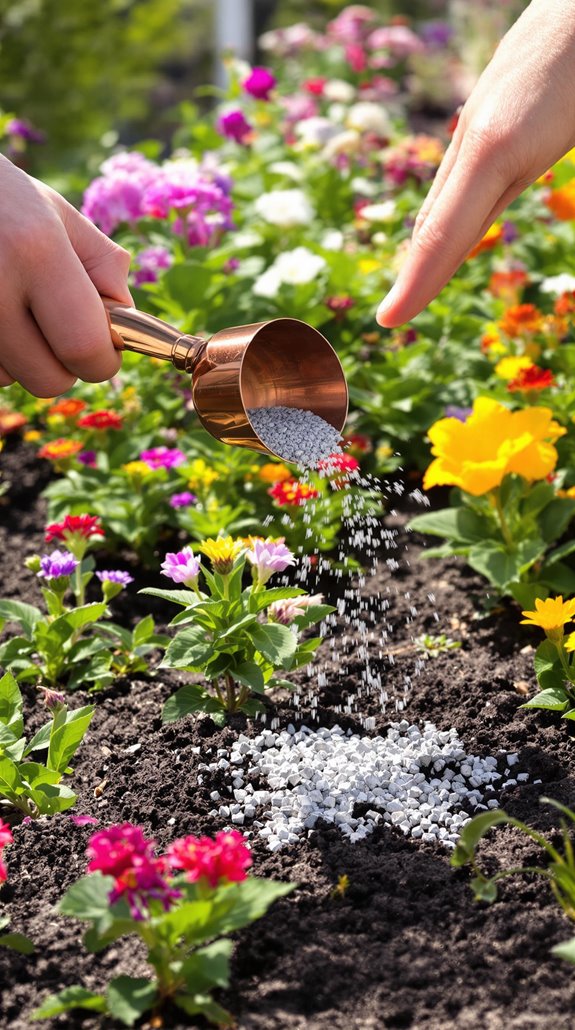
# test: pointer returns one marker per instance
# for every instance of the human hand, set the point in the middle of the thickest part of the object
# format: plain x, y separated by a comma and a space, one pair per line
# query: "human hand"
54, 264
518, 121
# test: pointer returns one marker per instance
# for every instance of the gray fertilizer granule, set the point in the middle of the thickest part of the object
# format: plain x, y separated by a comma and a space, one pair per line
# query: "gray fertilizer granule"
295, 435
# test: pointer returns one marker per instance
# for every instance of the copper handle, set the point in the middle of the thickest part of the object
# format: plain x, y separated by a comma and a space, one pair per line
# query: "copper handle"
137, 331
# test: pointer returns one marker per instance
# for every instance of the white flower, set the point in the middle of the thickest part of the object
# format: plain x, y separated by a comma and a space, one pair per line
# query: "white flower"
246, 238
368, 117
365, 186
557, 284
294, 268
339, 90
268, 283
344, 143
332, 240
383, 212
298, 266
284, 207
315, 132
287, 168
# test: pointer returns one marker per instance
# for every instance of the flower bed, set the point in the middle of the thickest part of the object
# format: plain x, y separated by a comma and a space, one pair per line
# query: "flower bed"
174, 583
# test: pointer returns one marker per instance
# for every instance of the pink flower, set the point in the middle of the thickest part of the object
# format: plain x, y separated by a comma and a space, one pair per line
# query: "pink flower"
149, 263
286, 612
163, 457
259, 83
225, 858
234, 125
123, 853
182, 567
5, 838
398, 40
269, 556
83, 820
352, 25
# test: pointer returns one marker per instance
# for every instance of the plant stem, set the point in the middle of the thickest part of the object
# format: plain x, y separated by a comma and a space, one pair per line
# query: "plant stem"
230, 693
505, 531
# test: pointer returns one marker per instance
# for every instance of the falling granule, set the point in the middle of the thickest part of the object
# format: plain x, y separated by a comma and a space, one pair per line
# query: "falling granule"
295, 435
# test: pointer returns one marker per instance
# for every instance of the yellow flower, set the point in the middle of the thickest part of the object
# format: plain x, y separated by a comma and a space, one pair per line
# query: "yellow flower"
383, 451
476, 454
221, 552
570, 492
569, 642
368, 265
551, 615
510, 367
137, 469
32, 435
200, 474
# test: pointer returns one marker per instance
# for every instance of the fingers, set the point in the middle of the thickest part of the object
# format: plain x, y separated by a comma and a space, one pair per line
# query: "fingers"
106, 263
27, 358
449, 227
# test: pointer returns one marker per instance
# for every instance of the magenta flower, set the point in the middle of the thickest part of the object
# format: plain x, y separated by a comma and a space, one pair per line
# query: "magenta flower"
182, 567
269, 556
87, 458
124, 853
24, 130
5, 839
163, 457
115, 576
83, 820
149, 263
225, 858
234, 125
53, 699
183, 500
259, 83
57, 564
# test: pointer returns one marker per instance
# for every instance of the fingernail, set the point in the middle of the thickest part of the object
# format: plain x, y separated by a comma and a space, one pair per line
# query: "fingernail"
386, 303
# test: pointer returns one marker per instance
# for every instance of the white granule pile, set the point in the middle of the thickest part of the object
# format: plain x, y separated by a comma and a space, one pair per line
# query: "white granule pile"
421, 781
298, 436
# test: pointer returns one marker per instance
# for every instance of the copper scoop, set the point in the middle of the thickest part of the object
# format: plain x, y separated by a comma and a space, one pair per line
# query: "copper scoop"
267, 364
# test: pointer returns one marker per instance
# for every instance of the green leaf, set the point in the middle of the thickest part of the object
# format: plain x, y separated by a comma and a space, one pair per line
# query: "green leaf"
546, 658
25, 614
197, 1004
276, 643
183, 597
88, 897
553, 698
186, 701
208, 967
570, 714
11, 705
75, 619
17, 942
248, 901
493, 561
11, 783
453, 524
484, 890
143, 630
555, 518
262, 599
70, 998
472, 833
565, 950
189, 649
68, 731
236, 628
250, 675
129, 997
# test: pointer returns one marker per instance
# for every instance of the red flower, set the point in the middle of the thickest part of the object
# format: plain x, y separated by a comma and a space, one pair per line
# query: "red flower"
565, 304
315, 86
337, 464
85, 526
57, 450
10, 421
226, 857
292, 492
68, 407
357, 443
532, 378
339, 304
100, 420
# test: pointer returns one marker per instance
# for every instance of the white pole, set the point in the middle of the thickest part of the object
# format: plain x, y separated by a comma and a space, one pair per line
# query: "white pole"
233, 31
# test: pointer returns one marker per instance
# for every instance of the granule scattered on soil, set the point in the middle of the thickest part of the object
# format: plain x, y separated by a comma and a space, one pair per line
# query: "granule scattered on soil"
296, 435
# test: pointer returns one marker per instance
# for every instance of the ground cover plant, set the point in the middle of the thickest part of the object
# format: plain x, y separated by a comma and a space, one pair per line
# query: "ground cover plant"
355, 770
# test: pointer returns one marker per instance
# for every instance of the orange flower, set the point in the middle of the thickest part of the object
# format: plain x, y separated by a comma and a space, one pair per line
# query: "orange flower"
67, 407
562, 201
10, 421
521, 318
508, 285
565, 304
56, 450
292, 492
492, 237
491, 342
274, 472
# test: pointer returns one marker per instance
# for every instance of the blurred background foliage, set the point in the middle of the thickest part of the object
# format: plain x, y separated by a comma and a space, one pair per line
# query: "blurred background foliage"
88, 73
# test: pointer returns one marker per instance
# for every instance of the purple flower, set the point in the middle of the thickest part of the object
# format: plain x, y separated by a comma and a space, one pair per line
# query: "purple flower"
53, 699
436, 34
234, 125
182, 566
452, 411
149, 263
115, 576
231, 265
87, 458
57, 564
163, 457
183, 500
269, 556
259, 83
24, 130
510, 232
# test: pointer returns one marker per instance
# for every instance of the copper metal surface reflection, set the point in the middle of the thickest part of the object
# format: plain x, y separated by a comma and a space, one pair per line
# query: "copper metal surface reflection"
280, 362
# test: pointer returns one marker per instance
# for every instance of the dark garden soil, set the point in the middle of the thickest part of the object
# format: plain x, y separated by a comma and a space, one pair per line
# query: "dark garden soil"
406, 946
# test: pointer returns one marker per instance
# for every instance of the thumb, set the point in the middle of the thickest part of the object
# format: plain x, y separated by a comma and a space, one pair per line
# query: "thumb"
106, 263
